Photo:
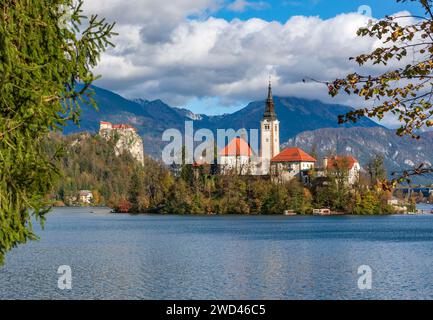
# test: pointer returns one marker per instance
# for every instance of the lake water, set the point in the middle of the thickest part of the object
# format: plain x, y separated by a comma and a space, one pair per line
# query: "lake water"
232, 257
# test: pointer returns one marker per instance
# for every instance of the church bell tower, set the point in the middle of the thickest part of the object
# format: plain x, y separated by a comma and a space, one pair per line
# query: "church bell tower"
270, 133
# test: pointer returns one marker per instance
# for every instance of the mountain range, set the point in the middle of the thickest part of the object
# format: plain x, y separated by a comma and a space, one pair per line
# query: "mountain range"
304, 123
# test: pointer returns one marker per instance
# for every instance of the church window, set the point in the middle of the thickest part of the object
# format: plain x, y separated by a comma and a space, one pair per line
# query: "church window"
267, 127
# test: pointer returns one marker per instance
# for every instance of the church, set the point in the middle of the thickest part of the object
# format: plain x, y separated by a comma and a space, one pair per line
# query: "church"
238, 157
269, 134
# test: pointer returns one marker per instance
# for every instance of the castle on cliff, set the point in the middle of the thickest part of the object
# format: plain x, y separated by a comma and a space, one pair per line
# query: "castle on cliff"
127, 138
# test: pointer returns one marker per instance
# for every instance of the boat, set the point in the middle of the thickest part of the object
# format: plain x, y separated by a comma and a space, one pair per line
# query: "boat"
322, 212
290, 213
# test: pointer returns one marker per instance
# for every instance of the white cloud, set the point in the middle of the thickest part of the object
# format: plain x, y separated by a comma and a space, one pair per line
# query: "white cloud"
156, 18
243, 5
162, 53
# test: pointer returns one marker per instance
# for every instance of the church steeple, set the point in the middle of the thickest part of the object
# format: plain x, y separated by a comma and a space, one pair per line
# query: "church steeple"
270, 106
270, 133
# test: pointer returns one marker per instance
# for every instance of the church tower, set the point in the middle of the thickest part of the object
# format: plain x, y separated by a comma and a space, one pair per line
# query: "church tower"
270, 133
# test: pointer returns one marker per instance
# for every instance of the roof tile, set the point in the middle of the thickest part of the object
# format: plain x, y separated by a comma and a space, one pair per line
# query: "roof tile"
293, 155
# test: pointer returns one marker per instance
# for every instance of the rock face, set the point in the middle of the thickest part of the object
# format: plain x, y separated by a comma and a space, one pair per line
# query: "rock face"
126, 137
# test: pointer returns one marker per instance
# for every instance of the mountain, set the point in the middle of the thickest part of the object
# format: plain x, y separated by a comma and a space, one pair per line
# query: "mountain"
399, 153
152, 118
296, 116
304, 123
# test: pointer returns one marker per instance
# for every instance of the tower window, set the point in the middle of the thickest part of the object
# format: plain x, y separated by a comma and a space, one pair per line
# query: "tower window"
267, 127
276, 127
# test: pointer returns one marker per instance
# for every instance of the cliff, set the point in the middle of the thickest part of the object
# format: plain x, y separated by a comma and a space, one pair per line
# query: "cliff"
126, 139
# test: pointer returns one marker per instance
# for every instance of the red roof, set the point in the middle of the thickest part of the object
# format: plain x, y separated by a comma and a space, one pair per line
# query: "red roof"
293, 155
122, 126
199, 163
341, 161
237, 147
118, 126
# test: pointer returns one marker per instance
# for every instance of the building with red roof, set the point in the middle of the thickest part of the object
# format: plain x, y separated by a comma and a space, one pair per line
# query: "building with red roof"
104, 125
341, 163
237, 157
293, 155
237, 147
292, 163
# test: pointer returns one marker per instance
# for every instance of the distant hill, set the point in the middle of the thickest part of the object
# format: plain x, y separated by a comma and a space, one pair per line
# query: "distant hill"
296, 116
152, 118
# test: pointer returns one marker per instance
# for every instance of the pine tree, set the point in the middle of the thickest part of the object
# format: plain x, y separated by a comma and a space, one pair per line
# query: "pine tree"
45, 73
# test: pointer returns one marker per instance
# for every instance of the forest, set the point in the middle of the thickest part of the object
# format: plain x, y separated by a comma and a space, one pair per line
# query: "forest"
88, 162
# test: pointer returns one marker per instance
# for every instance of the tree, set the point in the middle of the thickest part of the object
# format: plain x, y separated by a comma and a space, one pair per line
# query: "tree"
124, 205
179, 199
405, 92
45, 73
368, 205
400, 195
314, 152
136, 190
376, 170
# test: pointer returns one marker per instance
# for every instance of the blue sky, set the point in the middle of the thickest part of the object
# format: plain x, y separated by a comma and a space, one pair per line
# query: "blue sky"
282, 10
215, 56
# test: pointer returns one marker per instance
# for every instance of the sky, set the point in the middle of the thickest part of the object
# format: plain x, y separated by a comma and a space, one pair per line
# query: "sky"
215, 56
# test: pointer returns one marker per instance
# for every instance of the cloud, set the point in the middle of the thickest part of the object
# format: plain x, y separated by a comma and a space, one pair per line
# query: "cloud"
164, 53
243, 5
156, 18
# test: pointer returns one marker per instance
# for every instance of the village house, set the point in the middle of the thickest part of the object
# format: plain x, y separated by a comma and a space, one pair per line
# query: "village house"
85, 197
292, 163
339, 163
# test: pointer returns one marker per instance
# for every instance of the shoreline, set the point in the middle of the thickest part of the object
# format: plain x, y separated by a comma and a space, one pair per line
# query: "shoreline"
337, 214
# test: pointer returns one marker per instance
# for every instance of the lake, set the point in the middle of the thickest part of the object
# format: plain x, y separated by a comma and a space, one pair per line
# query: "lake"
230, 257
